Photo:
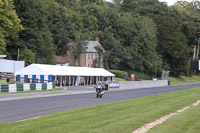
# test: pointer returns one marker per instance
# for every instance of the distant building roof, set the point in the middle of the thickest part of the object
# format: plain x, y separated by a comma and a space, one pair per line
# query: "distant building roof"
91, 46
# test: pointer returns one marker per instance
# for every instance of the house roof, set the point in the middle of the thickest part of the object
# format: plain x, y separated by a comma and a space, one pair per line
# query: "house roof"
43, 69
91, 46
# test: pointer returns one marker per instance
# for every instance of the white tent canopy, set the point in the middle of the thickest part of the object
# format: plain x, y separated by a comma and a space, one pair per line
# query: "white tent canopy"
42, 69
10, 66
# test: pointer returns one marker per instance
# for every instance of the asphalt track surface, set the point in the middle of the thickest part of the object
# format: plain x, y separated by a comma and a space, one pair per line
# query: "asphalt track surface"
22, 109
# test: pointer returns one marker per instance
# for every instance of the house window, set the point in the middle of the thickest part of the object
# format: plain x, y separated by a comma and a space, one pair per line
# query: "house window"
91, 56
88, 65
96, 55
88, 56
91, 65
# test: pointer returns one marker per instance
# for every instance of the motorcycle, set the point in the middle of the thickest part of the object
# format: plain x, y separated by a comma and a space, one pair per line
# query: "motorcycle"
99, 90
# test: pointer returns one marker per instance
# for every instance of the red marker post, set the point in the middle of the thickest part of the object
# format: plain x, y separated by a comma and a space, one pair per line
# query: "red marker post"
132, 77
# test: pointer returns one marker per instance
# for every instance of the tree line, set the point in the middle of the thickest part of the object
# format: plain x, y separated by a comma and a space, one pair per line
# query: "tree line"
144, 36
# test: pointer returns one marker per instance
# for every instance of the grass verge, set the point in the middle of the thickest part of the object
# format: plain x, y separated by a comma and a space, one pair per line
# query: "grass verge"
55, 89
120, 117
11, 82
185, 122
119, 79
3, 82
184, 80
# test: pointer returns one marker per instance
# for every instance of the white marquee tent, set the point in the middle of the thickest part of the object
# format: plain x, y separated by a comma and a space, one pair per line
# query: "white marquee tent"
68, 73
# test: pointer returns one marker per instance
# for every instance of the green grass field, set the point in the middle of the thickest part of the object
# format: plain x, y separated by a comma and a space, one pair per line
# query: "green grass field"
185, 122
120, 117
184, 80
119, 79
3, 82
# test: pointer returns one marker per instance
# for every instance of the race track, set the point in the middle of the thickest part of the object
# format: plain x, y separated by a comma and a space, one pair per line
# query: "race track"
16, 110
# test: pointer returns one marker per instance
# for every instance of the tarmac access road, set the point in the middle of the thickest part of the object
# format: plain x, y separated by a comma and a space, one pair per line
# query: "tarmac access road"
22, 109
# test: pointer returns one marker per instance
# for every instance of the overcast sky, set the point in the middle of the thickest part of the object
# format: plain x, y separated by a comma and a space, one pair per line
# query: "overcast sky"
170, 2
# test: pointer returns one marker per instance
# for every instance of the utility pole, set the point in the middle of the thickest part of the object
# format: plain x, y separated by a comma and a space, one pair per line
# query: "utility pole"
194, 52
18, 54
198, 51
198, 33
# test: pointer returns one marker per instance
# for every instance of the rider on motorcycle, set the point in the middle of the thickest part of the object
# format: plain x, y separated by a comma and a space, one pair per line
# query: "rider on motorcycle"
100, 87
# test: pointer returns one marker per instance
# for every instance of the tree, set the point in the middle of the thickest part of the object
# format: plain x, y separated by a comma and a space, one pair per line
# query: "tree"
114, 51
67, 3
37, 35
140, 35
28, 56
47, 26
191, 20
9, 22
80, 46
169, 27
146, 41
62, 26
97, 62
172, 45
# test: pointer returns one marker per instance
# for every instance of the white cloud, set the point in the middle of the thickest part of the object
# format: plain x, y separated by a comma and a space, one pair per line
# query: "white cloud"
170, 2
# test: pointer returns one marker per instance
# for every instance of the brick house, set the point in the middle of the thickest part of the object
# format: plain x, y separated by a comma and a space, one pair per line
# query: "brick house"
86, 58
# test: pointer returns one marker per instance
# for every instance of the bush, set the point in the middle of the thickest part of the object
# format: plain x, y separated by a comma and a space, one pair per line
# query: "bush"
140, 75
119, 73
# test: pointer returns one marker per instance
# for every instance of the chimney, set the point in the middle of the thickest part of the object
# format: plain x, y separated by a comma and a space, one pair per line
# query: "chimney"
97, 39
